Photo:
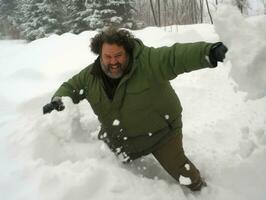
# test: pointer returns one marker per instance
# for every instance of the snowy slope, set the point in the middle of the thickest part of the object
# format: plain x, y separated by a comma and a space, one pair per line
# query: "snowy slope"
58, 157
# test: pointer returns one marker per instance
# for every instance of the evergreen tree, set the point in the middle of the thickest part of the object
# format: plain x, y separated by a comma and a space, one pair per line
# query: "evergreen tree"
78, 12
8, 26
119, 13
40, 18
96, 14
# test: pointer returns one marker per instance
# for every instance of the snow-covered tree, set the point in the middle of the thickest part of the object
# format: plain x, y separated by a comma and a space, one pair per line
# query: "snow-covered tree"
119, 13
40, 18
76, 12
96, 14
8, 11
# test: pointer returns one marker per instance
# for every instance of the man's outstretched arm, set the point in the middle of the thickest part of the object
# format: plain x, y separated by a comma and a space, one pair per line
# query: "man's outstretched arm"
166, 63
75, 88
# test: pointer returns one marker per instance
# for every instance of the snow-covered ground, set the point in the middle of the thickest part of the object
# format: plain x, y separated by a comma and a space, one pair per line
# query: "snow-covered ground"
57, 156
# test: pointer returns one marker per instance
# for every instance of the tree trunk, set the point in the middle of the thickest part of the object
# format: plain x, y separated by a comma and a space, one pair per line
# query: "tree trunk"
159, 12
166, 7
153, 13
201, 11
207, 3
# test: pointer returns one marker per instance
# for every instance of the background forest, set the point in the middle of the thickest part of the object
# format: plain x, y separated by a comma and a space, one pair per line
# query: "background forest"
32, 19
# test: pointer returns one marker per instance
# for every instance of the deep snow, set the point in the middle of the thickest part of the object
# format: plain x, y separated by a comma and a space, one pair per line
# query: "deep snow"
58, 157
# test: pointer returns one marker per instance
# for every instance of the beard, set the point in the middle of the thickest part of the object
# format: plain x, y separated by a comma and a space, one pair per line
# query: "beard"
114, 71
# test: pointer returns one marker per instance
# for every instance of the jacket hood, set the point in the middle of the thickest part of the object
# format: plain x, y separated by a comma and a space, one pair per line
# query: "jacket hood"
137, 48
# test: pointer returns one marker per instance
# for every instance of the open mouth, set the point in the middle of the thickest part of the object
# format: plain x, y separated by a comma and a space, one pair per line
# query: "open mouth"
114, 67
115, 70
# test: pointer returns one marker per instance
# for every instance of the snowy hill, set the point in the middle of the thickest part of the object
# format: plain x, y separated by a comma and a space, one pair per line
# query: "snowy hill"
58, 156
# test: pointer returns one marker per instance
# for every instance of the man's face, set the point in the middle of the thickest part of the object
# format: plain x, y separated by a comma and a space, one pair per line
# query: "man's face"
114, 60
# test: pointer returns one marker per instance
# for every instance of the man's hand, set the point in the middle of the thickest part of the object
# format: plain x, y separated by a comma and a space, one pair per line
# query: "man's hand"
56, 104
217, 53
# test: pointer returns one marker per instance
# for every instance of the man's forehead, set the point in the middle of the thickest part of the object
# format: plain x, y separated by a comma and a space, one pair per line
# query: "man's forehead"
112, 48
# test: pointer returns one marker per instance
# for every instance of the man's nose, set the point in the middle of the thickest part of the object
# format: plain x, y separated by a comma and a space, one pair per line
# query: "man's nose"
113, 61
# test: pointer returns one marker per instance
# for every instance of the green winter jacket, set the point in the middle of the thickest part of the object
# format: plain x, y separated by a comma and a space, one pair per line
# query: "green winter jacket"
145, 109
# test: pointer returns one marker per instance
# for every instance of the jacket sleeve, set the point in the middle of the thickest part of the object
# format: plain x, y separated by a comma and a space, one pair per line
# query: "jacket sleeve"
75, 88
166, 63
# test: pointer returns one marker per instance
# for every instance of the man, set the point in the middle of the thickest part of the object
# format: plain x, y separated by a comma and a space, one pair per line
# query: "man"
128, 89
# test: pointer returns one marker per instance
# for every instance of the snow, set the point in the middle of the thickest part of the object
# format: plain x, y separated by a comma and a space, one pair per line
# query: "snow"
81, 92
166, 116
184, 180
58, 156
116, 122
246, 55
187, 166
103, 136
125, 138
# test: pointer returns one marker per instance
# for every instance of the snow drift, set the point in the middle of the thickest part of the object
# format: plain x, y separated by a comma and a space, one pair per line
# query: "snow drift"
246, 40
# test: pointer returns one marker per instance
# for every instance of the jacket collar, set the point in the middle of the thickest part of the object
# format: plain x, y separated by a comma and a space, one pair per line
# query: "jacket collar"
96, 68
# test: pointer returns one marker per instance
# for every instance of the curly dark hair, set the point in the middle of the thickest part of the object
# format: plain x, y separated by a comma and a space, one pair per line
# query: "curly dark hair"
112, 35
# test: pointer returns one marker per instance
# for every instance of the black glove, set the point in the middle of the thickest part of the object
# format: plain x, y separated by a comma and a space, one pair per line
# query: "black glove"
56, 104
217, 53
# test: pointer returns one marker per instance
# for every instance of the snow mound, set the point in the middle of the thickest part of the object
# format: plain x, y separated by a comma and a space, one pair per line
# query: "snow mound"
246, 40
